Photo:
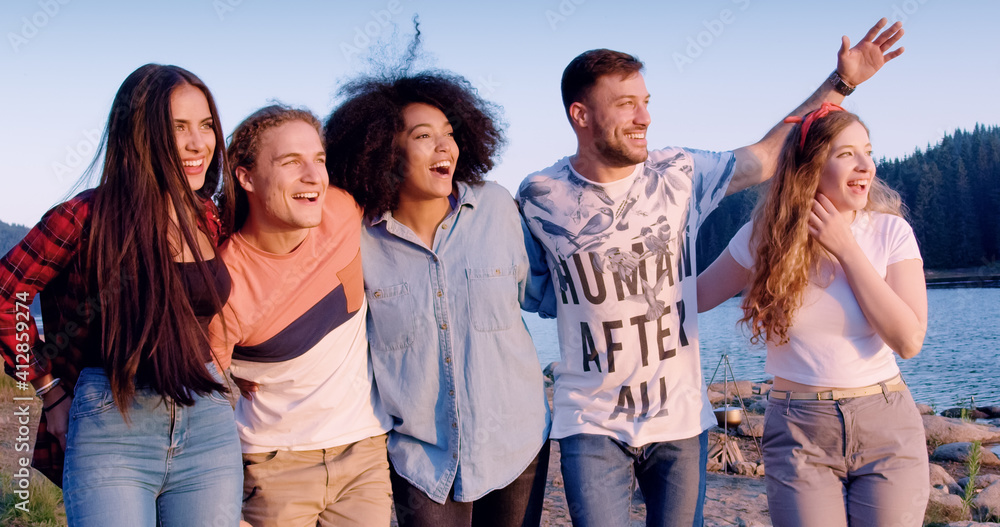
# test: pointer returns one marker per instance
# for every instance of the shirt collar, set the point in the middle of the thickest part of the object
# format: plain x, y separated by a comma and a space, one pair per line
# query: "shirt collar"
467, 195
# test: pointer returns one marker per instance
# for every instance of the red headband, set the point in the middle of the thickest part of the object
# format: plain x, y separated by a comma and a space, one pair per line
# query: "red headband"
811, 117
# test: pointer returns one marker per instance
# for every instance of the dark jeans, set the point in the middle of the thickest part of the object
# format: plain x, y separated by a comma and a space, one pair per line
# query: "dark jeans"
516, 505
599, 471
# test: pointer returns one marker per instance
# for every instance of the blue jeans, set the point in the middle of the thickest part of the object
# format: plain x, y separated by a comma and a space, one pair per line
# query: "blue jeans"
171, 465
599, 471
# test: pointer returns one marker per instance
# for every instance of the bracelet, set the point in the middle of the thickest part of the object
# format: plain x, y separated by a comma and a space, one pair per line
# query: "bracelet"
65, 396
48, 387
839, 85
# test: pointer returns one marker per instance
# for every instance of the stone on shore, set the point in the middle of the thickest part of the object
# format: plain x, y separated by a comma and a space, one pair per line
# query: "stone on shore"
925, 409
758, 406
969, 413
743, 388
942, 430
944, 507
982, 480
753, 427
992, 412
941, 479
987, 502
959, 452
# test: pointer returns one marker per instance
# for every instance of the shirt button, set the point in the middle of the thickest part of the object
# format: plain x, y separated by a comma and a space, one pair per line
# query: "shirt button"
447, 360
497, 271
454, 425
435, 259
444, 225
454, 456
444, 326
451, 393
440, 293
378, 294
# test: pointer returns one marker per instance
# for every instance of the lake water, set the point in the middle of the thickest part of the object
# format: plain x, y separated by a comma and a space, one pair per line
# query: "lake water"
960, 358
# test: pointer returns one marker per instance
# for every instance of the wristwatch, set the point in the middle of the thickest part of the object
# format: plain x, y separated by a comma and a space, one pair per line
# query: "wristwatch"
838, 84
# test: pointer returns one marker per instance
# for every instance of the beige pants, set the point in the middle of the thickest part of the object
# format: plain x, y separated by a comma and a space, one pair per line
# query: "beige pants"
857, 461
345, 485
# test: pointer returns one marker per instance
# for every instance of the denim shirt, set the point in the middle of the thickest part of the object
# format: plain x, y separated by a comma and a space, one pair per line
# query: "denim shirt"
454, 364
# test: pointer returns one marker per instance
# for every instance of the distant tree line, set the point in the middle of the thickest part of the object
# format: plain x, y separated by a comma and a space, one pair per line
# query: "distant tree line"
10, 235
951, 191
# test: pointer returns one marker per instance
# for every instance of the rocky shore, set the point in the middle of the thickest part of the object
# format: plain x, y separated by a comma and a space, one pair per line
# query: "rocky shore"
736, 494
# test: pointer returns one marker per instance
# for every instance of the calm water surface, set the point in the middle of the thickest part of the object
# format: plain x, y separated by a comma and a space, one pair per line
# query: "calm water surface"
960, 358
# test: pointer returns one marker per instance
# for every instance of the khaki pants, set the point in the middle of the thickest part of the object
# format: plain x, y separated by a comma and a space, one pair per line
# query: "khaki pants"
345, 485
858, 461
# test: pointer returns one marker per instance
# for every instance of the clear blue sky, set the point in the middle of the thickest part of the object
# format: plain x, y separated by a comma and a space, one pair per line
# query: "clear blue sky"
718, 79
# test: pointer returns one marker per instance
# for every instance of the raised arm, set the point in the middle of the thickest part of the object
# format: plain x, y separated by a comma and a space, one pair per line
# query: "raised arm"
757, 162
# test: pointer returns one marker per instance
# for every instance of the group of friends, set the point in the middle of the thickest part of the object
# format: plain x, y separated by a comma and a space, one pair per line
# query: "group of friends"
361, 284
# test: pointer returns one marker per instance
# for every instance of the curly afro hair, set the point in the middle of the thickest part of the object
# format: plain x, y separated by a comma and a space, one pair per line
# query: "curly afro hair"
360, 135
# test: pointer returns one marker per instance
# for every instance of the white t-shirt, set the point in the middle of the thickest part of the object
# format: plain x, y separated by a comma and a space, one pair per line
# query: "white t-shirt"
830, 342
622, 260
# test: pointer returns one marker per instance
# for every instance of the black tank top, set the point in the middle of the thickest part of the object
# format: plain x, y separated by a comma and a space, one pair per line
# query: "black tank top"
200, 294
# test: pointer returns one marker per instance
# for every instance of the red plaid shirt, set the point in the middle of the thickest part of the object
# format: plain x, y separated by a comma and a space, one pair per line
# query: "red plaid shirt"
49, 262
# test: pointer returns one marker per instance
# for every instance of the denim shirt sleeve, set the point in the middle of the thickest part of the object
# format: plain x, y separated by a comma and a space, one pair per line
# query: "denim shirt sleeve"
538, 296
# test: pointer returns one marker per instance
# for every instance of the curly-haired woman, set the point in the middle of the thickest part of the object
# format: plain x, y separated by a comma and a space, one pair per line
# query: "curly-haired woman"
128, 279
446, 275
834, 285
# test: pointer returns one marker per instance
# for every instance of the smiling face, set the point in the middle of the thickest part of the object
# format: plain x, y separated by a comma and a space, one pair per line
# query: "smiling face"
194, 132
286, 186
618, 119
429, 153
849, 169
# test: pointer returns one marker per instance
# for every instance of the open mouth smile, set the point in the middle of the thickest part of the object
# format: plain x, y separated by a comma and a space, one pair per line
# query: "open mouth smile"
307, 196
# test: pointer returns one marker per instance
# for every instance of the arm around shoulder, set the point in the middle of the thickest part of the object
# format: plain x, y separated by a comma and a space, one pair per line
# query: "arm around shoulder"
721, 281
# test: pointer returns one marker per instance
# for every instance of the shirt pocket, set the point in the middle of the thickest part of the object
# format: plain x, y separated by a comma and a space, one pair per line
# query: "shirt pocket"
391, 310
493, 304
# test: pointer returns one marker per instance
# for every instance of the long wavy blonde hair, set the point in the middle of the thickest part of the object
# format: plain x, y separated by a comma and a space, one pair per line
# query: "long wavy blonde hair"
787, 258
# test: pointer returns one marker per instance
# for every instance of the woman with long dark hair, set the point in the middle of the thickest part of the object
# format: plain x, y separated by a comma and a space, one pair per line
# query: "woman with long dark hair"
834, 285
446, 275
128, 281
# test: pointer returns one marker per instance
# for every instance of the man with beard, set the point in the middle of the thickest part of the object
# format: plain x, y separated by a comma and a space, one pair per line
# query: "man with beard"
619, 224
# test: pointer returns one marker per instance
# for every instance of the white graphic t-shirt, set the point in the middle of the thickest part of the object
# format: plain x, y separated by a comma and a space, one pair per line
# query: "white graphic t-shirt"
622, 259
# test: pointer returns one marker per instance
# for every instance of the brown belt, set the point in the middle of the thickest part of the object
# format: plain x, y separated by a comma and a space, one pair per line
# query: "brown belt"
894, 384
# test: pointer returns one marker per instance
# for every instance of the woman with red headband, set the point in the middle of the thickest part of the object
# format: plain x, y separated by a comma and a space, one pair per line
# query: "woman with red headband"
833, 283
